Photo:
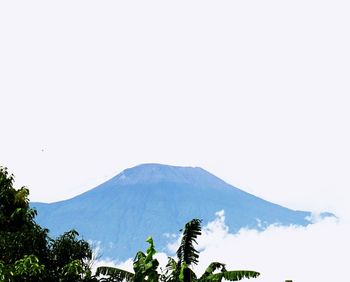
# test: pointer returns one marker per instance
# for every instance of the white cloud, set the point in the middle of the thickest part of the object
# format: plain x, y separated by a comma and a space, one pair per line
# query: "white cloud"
318, 252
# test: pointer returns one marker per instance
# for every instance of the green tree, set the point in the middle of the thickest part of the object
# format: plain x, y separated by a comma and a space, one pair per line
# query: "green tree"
69, 257
27, 253
19, 233
27, 269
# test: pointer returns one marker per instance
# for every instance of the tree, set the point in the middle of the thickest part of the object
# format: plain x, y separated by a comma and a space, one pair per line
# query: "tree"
19, 233
187, 256
69, 257
145, 266
27, 253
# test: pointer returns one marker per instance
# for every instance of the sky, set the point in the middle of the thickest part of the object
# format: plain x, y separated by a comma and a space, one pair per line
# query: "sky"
256, 92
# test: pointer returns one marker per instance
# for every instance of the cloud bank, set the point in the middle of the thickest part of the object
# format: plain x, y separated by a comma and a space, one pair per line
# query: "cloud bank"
317, 252
314, 253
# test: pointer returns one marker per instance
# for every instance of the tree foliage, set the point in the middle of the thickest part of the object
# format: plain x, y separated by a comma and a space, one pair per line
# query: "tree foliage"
19, 233
145, 267
187, 253
27, 253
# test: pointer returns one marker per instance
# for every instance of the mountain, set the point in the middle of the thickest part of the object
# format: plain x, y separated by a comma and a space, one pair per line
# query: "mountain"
154, 199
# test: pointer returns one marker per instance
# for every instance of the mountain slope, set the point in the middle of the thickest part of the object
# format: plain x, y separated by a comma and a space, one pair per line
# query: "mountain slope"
153, 199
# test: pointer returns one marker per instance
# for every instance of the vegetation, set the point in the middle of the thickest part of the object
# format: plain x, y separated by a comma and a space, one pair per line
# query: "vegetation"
28, 254
180, 270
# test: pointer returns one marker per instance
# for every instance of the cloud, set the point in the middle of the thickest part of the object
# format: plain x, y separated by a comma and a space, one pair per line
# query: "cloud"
317, 252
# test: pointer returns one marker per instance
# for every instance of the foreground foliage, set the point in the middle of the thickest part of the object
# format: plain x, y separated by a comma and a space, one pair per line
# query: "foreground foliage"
27, 253
146, 267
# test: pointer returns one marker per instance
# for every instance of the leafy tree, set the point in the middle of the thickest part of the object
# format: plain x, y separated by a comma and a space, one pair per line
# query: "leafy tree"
75, 271
145, 267
69, 257
27, 269
19, 234
27, 253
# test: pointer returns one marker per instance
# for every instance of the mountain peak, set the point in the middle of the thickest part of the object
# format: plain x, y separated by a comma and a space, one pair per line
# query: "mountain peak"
155, 173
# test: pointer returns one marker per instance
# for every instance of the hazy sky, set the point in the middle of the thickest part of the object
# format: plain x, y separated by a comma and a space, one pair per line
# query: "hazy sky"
256, 92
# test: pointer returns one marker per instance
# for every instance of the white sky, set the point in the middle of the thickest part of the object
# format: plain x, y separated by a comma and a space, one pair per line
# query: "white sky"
256, 92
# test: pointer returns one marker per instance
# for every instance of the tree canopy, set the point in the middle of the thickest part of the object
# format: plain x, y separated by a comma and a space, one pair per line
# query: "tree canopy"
27, 253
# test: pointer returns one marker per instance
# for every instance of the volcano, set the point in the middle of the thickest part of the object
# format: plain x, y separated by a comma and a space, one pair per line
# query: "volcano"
157, 200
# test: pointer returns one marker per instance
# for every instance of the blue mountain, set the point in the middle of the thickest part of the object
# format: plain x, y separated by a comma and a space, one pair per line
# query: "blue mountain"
154, 199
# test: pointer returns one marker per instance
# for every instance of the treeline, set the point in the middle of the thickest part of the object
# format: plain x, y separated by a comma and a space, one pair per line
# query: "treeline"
28, 253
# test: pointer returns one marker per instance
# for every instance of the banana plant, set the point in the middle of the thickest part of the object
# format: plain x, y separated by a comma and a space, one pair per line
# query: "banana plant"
145, 268
180, 270
210, 276
188, 256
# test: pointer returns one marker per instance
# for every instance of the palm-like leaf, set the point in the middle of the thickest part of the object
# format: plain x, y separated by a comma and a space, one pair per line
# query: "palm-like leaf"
171, 271
171, 265
186, 252
235, 275
116, 273
211, 269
